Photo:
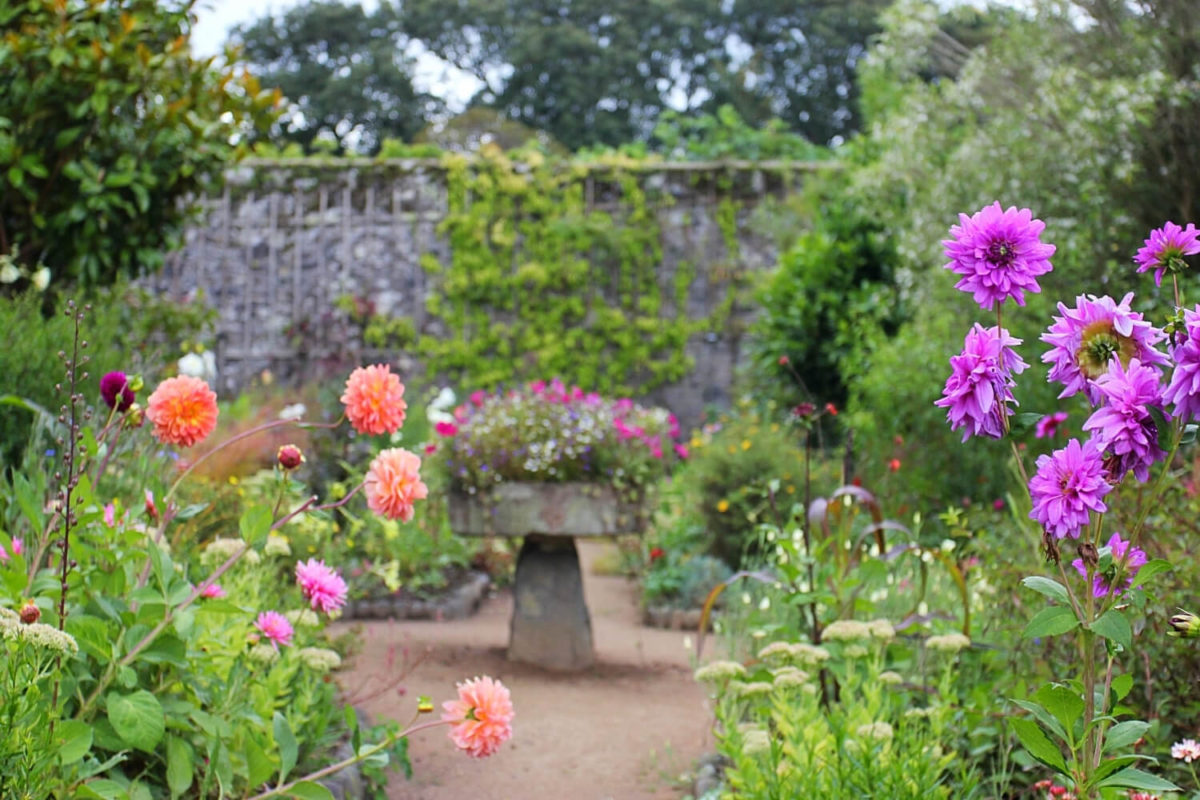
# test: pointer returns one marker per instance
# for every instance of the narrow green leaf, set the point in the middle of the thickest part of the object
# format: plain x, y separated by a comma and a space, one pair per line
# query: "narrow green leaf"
1124, 734
1038, 744
1133, 778
1051, 588
179, 765
1113, 625
1051, 621
285, 740
260, 765
307, 790
1051, 724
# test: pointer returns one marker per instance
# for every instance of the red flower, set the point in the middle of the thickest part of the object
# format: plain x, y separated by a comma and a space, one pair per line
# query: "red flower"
656, 554
831, 409
446, 429
894, 465
784, 361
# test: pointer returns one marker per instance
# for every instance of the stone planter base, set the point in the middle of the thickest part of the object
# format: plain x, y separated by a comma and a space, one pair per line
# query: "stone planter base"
550, 623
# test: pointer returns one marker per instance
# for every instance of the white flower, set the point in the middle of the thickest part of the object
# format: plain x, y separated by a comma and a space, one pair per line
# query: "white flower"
879, 731
719, 671
809, 654
263, 653
41, 279
751, 689
319, 659
302, 617
294, 411
890, 678
882, 629
950, 643
846, 630
775, 649
755, 741
1188, 750
277, 546
9, 273
199, 365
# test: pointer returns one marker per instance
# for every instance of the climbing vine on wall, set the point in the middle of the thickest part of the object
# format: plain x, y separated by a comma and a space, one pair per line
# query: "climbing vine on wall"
544, 280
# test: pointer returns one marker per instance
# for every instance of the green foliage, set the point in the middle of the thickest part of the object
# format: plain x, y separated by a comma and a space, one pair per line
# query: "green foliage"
724, 134
831, 300
344, 72
130, 330
107, 123
540, 283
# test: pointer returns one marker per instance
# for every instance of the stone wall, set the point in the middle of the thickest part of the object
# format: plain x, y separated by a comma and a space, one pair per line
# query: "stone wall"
288, 239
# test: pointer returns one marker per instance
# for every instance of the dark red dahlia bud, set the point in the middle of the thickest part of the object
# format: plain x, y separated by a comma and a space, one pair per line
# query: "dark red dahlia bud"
116, 391
289, 457
804, 410
30, 613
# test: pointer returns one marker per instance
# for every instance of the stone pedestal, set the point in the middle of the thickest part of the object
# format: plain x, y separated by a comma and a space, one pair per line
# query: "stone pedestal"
550, 623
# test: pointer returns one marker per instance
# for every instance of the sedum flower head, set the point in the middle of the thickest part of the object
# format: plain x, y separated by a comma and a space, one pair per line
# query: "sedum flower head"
1123, 427
882, 629
302, 617
947, 643
890, 678
809, 655
751, 688
1165, 249
846, 630
263, 653
979, 390
717, 671
1085, 339
221, 548
878, 731
1068, 485
277, 546
775, 649
998, 254
755, 740
319, 659
43, 637
1126, 561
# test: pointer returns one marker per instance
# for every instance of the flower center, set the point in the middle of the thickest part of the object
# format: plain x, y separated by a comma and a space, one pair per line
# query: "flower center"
1098, 345
1001, 253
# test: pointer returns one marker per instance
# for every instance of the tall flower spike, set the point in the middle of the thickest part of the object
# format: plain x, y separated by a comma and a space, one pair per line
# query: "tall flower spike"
1085, 339
999, 254
1123, 427
979, 388
1068, 485
1165, 249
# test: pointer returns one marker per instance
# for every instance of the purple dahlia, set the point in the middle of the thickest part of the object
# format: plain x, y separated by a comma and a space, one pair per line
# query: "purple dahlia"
1184, 390
998, 254
1165, 249
1068, 485
1126, 561
979, 388
1122, 426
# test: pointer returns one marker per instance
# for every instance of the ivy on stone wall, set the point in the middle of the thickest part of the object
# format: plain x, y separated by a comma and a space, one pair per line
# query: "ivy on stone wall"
543, 280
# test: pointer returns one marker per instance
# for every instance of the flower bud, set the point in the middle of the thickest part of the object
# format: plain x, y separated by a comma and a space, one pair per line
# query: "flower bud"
135, 416
30, 613
1185, 624
289, 457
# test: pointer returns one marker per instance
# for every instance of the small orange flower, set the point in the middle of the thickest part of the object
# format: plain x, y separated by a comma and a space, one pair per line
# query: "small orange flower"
183, 411
374, 400
393, 484
481, 717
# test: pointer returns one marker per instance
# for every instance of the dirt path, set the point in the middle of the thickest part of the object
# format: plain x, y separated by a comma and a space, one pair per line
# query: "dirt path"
627, 729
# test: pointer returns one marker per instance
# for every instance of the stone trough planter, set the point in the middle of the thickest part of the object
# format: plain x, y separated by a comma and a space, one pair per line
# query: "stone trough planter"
550, 624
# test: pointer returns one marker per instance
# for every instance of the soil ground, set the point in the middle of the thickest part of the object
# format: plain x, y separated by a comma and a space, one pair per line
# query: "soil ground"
629, 728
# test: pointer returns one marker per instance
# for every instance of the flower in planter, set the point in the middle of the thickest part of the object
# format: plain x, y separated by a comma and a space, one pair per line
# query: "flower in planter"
393, 484
481, 717
321, 585
374, 400
183, 411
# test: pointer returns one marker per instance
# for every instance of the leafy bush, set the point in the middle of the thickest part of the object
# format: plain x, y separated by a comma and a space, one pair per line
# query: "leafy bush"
107, 123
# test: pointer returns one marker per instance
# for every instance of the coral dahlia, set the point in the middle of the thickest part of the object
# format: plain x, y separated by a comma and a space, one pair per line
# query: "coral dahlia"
481, 717
393, 484
183, 410
374, 400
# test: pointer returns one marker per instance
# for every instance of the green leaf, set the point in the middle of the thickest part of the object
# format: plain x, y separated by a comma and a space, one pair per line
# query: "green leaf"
101, 789
1051, 621
74, 739
288, 747
307, 790
1151, 569
1053, 725
1038, 744
1133, 778
1064, 703
1122, 685
255, 524
1050, 588
1124, 734
137, 718
1113, 625
180, 758
260, 765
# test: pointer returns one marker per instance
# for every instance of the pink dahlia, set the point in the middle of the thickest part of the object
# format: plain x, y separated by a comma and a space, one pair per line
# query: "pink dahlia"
213, 591
1119, 575
979, 388
1183, 392
321, 585
481, 717
1047, 427
183, 410
1122, 427
1165, 249
1188, 750
274, 626
393, 484
1068, 484
998, 254
1086, 338
374, 400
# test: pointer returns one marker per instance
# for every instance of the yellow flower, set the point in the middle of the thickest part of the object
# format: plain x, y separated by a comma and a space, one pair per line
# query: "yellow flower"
723, 506
745, 444
791, 489
732, 449
233, 480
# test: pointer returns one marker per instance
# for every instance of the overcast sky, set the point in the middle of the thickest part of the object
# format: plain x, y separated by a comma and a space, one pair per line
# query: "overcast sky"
214, 19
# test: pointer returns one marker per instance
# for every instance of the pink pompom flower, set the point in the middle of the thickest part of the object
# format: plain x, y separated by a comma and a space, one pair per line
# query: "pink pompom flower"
275, 627
393, 484
481, 717
321, 585
374, 400
998, 253
183, 410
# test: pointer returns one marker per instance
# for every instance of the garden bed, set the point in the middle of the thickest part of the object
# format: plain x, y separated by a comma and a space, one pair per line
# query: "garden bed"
460, 598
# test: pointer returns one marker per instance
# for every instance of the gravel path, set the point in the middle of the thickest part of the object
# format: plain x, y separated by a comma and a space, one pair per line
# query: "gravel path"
627, 729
